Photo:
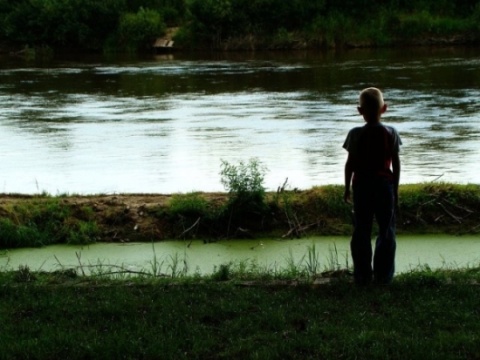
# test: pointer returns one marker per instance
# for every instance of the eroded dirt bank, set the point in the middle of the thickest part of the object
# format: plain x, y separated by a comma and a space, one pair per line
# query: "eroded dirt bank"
424, 208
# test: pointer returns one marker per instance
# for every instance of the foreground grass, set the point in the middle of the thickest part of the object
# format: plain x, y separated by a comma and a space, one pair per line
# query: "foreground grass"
425, 314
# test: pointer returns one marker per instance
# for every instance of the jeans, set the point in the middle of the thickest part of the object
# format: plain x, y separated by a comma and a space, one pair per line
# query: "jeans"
373, 198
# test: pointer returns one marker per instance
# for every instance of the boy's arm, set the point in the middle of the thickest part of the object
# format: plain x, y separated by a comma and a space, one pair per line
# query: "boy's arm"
348, 178
396, 168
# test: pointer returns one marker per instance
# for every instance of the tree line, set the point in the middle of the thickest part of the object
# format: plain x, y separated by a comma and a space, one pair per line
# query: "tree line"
132, 25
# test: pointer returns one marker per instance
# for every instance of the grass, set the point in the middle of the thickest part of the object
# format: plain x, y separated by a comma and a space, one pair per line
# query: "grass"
422, 315
251, 213
307, 310
46, 220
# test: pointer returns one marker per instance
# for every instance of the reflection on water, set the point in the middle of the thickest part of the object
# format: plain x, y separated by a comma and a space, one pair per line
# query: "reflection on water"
412, 252
163, 125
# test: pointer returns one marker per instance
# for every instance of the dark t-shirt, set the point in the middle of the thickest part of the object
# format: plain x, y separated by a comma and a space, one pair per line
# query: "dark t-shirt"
372, 147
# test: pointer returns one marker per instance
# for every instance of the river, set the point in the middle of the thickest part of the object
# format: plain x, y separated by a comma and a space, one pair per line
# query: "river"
162, 124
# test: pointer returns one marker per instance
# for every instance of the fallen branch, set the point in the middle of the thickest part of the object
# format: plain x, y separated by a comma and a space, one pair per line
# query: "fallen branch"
128, 272
460, 207
191, 227
456, 218
299, 229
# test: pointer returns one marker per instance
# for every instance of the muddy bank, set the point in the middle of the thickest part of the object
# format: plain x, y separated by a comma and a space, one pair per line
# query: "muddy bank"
424, 208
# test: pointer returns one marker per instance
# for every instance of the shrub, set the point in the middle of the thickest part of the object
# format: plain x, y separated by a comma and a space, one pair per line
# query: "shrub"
192, 205
16, 236
245, 180
61, 23
139, 30
45, 222
81, 232
244, 184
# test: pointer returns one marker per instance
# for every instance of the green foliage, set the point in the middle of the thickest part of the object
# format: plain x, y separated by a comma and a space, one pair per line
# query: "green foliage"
261, 320
46, 222
244, 183
87, 24
246, 211
222, 273
173, 11
424, 23
217, 20
328, 200
414, 195
132, 24
13, 235
139, 30
328, 22
211, 20
59, 23
475, 17
244, 178
190, 205
81, 232
333, 30
429, 207
24, 275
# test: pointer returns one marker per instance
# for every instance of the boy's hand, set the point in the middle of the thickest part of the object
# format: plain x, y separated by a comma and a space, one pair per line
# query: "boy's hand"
346, 196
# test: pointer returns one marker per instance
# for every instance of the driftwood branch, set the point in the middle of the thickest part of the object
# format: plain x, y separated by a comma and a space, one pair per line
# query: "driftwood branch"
190, 229
298, 230
294, 225
125, 271
453, 216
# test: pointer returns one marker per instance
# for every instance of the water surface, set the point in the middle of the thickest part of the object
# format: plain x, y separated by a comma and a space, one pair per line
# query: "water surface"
412, 252
164, 124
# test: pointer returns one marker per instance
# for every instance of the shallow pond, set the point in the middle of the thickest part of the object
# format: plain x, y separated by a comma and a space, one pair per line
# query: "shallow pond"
413, 251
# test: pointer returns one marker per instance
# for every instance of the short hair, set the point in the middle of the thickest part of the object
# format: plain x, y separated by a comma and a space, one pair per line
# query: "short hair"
371, 99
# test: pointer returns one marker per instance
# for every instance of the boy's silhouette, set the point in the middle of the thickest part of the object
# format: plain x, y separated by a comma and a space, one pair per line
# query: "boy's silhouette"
373, 169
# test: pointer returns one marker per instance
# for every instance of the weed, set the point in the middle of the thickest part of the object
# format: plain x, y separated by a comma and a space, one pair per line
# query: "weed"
244, 179
178, 267
155, 264
312, 261
82, 232
24, 274
333, 260
222, 273
244, 184
192, 205
46, 221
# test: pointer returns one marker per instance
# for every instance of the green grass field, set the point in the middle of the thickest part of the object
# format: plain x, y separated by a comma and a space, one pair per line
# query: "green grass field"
422, 315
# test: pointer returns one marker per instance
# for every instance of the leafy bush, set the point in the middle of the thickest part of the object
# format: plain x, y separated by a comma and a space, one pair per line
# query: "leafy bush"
61, 23
133, 24
13, 235
81, 232
191, 205
244, 183
244, 180
46, 222
139, 30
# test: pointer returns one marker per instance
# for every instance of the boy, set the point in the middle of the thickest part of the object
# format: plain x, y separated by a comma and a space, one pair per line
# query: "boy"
373, 169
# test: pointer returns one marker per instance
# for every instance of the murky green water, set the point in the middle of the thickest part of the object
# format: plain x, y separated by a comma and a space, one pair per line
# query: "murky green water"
412, 252
163, 124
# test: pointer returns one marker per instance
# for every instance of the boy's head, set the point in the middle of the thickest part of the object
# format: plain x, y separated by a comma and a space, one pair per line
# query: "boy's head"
372, 105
